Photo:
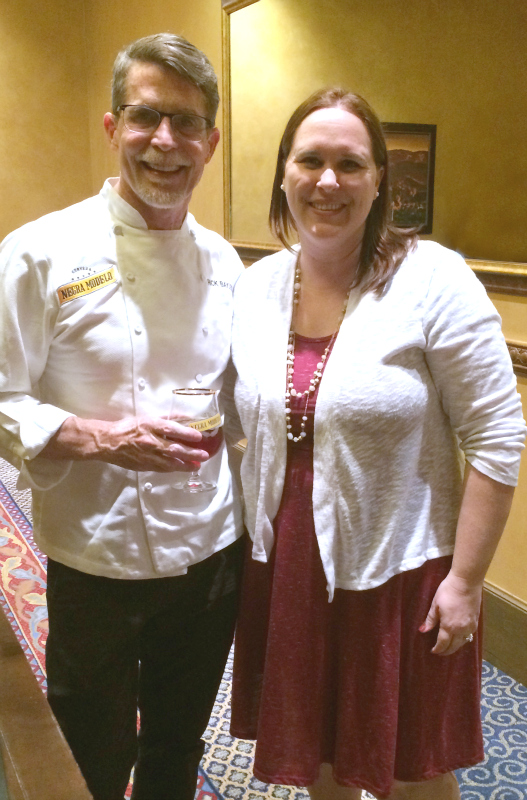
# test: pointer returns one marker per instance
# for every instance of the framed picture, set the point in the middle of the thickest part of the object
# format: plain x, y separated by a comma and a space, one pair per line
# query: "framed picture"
411, 157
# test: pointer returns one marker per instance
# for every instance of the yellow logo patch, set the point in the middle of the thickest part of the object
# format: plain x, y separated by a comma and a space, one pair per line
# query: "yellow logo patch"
71, 290
206, 424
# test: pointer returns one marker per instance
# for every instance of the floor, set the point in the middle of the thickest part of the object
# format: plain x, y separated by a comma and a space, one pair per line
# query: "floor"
502, 776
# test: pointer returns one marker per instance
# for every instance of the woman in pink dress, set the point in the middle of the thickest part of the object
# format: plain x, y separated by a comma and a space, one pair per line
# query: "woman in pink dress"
384, 436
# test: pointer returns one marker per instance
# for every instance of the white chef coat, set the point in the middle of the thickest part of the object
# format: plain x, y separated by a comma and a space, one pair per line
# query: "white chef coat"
101, 319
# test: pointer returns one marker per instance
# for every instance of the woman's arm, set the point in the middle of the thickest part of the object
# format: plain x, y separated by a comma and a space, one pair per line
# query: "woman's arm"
484, 510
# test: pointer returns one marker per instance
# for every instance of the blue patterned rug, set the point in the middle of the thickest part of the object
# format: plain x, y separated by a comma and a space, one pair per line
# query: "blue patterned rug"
226, 768
502, 776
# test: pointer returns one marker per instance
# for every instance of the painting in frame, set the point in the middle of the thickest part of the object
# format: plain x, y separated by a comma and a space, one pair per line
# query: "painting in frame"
411, 157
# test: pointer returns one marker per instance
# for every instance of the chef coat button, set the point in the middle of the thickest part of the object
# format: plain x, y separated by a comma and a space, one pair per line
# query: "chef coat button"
148, 487
118, 230
138, 329
199, 377
130, 277
141, 383
205, 331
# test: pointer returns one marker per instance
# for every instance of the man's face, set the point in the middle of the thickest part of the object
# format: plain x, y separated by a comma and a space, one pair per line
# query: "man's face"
159, 170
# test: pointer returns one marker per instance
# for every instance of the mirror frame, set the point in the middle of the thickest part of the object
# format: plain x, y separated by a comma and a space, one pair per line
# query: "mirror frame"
501, 277
228, 8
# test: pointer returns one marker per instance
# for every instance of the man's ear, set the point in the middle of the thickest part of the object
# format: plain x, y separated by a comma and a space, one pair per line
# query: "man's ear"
213, 139
110, 126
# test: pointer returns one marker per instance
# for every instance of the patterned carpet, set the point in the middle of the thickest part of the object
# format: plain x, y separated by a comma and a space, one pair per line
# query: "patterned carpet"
226, 773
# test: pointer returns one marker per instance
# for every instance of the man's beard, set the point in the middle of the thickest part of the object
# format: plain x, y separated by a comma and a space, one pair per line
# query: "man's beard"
158, 198
154, 195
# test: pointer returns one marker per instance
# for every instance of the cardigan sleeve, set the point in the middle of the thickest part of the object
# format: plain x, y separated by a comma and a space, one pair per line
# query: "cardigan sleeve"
472, 370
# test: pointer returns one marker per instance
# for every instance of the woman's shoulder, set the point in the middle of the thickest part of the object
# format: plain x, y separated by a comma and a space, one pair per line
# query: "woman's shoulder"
267, 271
436, 276
431, 254
429, 261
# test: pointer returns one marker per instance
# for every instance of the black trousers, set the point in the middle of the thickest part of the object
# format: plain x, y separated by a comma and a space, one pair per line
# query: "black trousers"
158, 645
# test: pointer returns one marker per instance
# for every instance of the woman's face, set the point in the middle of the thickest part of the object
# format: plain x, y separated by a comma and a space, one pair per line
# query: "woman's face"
331, 178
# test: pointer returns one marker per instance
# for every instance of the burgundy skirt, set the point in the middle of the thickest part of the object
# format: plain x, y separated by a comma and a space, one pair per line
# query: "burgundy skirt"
352, 683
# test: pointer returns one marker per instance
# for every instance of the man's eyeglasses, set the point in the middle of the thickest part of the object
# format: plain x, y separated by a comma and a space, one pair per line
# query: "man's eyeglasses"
143, 119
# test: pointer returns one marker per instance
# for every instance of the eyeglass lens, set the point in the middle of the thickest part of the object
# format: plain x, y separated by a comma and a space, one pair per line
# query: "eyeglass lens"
143, 119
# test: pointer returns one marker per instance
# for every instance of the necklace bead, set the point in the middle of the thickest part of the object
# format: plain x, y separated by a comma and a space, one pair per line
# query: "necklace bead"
290, 365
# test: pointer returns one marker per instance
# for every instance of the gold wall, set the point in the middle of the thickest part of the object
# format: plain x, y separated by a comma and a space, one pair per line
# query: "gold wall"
459, 65
44, 146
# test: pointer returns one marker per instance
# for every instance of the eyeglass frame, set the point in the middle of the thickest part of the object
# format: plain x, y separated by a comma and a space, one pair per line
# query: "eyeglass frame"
162, 115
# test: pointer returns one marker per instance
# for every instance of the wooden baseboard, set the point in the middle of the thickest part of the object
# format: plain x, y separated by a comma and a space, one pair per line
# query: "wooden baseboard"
505, 635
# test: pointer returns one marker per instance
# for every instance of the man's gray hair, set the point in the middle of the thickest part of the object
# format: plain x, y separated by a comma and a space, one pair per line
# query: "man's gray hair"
171, 52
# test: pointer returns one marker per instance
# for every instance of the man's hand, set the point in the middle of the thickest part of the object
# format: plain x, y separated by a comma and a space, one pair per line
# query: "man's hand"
138, 443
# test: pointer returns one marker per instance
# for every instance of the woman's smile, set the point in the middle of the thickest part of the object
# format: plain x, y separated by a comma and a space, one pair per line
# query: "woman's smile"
320, 206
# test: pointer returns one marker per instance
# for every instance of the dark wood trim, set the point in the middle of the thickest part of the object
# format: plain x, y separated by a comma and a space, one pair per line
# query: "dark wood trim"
38, 762
518, 354
503, 283
505, 635
502, 277
249, 253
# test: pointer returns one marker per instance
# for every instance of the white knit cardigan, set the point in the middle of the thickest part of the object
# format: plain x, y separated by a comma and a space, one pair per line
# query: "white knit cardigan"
416, 378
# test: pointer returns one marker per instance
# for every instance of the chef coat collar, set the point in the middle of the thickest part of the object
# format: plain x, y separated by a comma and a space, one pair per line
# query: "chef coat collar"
122, 211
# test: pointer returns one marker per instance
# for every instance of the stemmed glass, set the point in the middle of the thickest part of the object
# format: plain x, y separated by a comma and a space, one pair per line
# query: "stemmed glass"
198, 408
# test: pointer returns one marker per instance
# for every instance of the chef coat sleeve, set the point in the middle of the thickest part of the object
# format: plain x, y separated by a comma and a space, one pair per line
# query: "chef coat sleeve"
27, 312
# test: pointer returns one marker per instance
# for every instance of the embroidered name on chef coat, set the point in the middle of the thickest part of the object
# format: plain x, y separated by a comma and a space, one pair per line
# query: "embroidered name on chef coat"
71, 290
221, 284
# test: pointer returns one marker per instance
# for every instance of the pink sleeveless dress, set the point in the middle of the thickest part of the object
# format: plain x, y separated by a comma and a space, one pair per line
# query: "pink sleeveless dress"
352, 682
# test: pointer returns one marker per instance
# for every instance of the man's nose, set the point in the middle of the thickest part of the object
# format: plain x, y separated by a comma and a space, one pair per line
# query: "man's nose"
164, 137
328, 179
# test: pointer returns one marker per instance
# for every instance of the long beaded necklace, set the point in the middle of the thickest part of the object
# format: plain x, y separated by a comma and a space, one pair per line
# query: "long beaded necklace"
290, 363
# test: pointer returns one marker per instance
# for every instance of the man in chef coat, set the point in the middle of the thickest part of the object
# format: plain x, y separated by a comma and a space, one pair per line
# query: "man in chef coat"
107, 306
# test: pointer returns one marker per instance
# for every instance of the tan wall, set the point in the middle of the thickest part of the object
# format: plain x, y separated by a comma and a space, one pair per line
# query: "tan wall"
459, 65
111, 24
45, 159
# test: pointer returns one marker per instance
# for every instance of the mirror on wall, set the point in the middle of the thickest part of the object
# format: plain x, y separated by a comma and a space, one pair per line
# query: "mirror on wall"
453, 65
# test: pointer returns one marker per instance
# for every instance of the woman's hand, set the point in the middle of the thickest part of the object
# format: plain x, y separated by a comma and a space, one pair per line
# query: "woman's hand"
455, 608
